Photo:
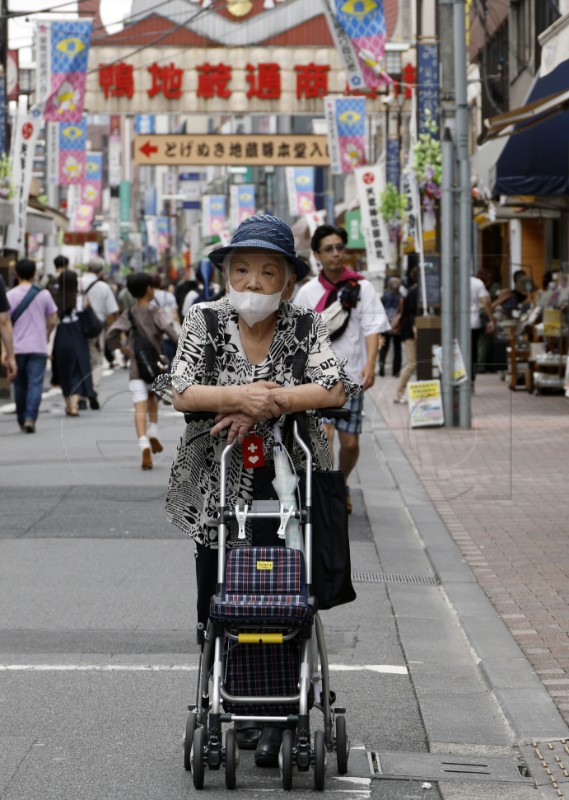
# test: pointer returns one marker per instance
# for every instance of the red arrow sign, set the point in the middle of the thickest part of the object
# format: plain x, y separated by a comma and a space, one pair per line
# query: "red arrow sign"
148, 149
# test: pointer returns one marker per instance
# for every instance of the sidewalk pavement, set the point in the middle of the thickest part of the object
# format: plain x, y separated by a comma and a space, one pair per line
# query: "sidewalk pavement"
501, 490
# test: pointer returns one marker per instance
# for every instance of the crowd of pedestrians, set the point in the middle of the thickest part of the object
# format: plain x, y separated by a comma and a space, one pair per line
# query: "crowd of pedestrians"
75, 322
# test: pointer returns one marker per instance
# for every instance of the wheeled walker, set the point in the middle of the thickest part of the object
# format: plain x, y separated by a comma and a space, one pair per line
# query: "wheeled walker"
263, 654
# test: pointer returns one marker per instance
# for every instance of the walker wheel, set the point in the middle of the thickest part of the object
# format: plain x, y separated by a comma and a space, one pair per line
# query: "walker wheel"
191, 725
231, 759
342, 745
285, 760
197, 758
319, 761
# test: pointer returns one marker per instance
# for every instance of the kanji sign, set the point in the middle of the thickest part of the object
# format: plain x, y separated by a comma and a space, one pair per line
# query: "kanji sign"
209, 80
256, 150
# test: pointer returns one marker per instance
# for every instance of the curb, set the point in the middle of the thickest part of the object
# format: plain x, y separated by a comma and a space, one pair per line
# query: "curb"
517, 689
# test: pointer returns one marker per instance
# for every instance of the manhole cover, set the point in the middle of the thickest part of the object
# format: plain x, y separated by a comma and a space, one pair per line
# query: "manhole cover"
439, 767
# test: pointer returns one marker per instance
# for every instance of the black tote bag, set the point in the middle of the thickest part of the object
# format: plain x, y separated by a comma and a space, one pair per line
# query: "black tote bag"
331, 565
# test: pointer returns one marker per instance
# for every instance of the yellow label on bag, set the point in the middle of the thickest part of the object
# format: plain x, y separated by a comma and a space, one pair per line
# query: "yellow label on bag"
264, 564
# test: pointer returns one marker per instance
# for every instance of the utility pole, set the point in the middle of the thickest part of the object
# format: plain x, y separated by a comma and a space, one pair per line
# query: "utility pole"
456, 219
4, 144
465, 225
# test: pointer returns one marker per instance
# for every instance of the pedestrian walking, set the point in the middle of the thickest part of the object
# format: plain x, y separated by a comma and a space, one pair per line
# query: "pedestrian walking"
479, 302
6, 334
359, 342
102, 300
408, 335
392, 301
166, 300
149, 323
34, 316
71, 367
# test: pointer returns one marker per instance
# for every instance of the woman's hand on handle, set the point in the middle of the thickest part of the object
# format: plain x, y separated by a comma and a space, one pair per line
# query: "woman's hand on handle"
237, 426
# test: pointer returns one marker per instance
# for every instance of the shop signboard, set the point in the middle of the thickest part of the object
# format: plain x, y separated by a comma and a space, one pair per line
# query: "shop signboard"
231, 150
425, 404
156, 80
353, 225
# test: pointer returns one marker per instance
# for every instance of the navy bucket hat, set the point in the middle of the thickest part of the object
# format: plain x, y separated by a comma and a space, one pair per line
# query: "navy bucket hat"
263, 232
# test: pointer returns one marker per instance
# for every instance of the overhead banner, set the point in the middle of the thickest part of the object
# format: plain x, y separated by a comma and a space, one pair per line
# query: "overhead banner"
212, 80
232, 150
25, 134
300, 189
162, 234
345, 47
346, 122
82, 219
428, 84
72, 141
370, 182
92, 185
364, 23
213, 214
62, 56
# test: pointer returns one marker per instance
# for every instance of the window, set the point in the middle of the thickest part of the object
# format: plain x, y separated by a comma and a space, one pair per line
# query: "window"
523, 36
546, 13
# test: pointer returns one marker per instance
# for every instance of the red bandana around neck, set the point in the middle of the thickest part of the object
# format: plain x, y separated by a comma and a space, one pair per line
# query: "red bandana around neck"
347, 274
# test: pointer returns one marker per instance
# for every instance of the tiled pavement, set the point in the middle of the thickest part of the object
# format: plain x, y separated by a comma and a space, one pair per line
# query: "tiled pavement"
502, 489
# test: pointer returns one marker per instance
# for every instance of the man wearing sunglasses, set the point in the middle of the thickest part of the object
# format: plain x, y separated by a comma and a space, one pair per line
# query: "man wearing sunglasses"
359, 342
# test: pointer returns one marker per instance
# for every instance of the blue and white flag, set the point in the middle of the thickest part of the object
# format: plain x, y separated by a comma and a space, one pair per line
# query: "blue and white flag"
62, 55
364, 22
346, 121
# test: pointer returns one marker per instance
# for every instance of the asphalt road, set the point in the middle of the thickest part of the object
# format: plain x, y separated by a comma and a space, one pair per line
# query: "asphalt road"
97, 653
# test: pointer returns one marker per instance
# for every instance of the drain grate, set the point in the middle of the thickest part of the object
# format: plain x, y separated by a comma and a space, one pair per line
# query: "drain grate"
390, 577
549, 765
439, 767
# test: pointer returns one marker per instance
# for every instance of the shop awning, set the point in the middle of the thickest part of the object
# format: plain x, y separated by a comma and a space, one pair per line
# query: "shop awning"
535, 160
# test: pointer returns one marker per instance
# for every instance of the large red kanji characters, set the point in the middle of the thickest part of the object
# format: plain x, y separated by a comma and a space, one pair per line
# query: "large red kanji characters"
117, 79
213, 80
264, 81
311, 81
167, 80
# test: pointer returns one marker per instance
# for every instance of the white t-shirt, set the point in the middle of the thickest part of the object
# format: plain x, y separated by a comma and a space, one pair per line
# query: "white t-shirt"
366, 318
101, 297
477, 292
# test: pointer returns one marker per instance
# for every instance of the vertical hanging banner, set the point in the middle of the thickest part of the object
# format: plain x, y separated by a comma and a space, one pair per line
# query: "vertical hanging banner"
364, 23
25, 133
72, 141
83, 218
92, 184
345, 48
62, 55
246, 202
370, 182
213, 214
300, 189
428, 83
346, 122
162, 234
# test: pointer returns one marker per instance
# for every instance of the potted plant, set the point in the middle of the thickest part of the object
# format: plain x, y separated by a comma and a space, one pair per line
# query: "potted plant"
392, 206
6, 188
427, 162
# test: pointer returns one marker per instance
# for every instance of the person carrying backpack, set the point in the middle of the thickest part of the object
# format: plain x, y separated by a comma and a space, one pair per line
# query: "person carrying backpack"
137, 333
359, 339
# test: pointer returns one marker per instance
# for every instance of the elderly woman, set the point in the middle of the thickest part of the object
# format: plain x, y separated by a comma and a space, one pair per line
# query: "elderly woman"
241, 367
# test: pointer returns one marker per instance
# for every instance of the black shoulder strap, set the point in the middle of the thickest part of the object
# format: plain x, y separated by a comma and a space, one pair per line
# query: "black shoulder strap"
88, 289
32, 293
303, 326
212, 344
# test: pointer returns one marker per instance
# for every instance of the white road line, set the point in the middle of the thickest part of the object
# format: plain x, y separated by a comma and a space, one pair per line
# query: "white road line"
384, 669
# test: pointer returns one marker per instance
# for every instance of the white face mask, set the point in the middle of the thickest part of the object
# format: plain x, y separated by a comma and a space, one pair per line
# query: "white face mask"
252, 306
